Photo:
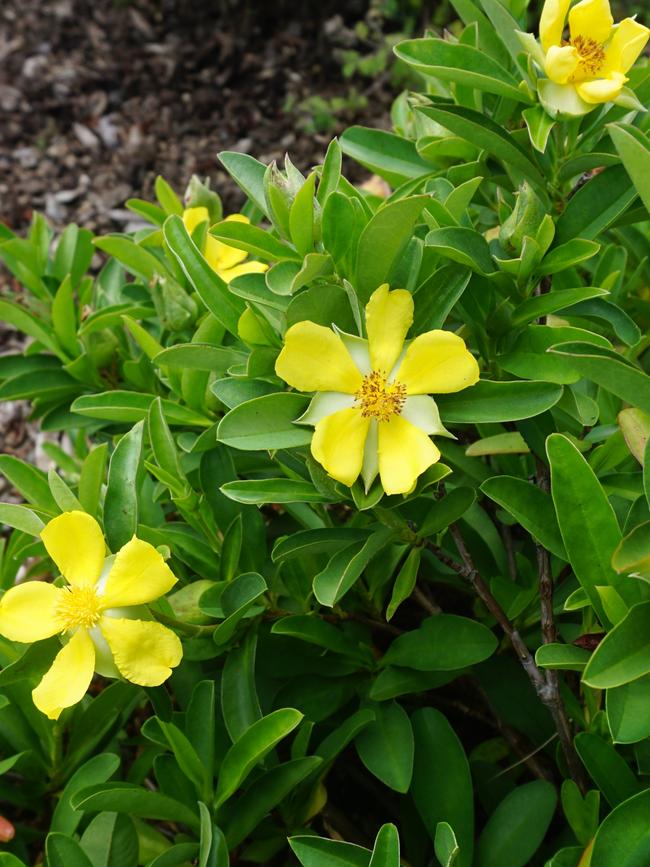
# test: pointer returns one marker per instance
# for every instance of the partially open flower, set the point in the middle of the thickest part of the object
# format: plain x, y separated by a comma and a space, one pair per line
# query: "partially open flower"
228, 262
590, 66
372, 413
100, 612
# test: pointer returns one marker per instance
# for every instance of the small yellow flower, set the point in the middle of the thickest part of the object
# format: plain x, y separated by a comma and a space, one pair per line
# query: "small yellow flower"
227, 261
99, 612
590, 67
371, 412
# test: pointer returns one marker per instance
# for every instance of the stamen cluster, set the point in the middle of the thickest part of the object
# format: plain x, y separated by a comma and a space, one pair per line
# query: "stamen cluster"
592, 53
378, 398
79, 607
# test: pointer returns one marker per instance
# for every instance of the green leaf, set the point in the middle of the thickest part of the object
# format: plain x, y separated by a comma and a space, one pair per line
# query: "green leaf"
633, 146
623, 839
131, 406
254, 240
258, 740
167, 198
446, 845
64, 851
346, 566
235, 600
265, 422
111, 840
627, 711
26, 322
30, 482
485, 133
261, 491
405, 582
442, 785
134, 801
388, 155
386, 851
489, 401
588, 525
383, 241
446, 511
248, 173
199, 356
596, 205
531, 507
462, 245
239, 703
562, 657
223, 305
264, 795
623, 655
21, 518
386, 747
319, 852
121, 501
516, 828
444, 642
64, 317
314, 630
301, 217
542, 305
607, 768
567, 255
91, 478
136, 259
539, 125
461, 64
96, 770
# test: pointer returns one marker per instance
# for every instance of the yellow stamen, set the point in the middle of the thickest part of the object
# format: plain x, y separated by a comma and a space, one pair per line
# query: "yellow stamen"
592, 54
378, 398
79, 607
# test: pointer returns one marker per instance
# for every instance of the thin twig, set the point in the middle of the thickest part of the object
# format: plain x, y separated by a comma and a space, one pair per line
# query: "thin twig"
423, 600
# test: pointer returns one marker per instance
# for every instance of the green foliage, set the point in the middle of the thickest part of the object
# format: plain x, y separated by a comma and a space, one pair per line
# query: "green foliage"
452, 676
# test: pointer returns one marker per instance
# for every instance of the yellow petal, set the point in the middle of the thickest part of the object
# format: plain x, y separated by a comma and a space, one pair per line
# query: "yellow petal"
314, 359
561, 62
28, 611
193, 216
144, 651
69, 677
405, 452
626, 45
222, 256
601, 89
338, 443
229, 274
74, 540
139, 574
591, 19
389, 315
437, 362
551, 22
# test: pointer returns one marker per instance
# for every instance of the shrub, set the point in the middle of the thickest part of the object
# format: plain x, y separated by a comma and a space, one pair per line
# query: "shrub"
409, 623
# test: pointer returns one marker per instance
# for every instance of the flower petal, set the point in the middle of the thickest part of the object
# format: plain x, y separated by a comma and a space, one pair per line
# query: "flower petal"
220, 256
626, 45
389, 315
551, 22
74, 540
370, 468
144, 651
323, 404
69, 677
28, 611
405, 452
439, 362
358, 349
314, 358
561, 62
591, 19
139, 575
338, 443
601, 89
193, 216
253, 267
422, 411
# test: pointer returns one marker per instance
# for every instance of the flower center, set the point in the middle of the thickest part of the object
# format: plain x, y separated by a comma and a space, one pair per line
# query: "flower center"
592, 54
378, 398
79, 607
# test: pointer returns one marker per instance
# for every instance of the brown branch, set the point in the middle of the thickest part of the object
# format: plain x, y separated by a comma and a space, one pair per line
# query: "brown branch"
423, 600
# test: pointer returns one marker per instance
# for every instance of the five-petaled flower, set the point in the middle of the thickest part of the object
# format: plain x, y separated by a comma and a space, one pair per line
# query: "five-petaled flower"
228, 262
590, 66
101, 612
372, 413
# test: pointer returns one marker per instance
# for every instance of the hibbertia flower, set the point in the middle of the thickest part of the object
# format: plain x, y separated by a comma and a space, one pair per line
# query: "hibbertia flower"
372, 411
100, 613
228, 262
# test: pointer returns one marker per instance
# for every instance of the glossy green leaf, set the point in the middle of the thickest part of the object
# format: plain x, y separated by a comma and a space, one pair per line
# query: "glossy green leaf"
623, 655
390, 156
623, 839
633, 146
346, 567
134, 801
111, 839
320, 852
386, 746
65, 851
607, 768
444, 642
489, 401
121, 502
266, 422
386, 851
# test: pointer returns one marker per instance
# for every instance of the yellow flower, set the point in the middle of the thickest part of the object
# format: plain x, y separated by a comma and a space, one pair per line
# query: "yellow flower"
371, 412
227, 261
590, 67
98, 612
